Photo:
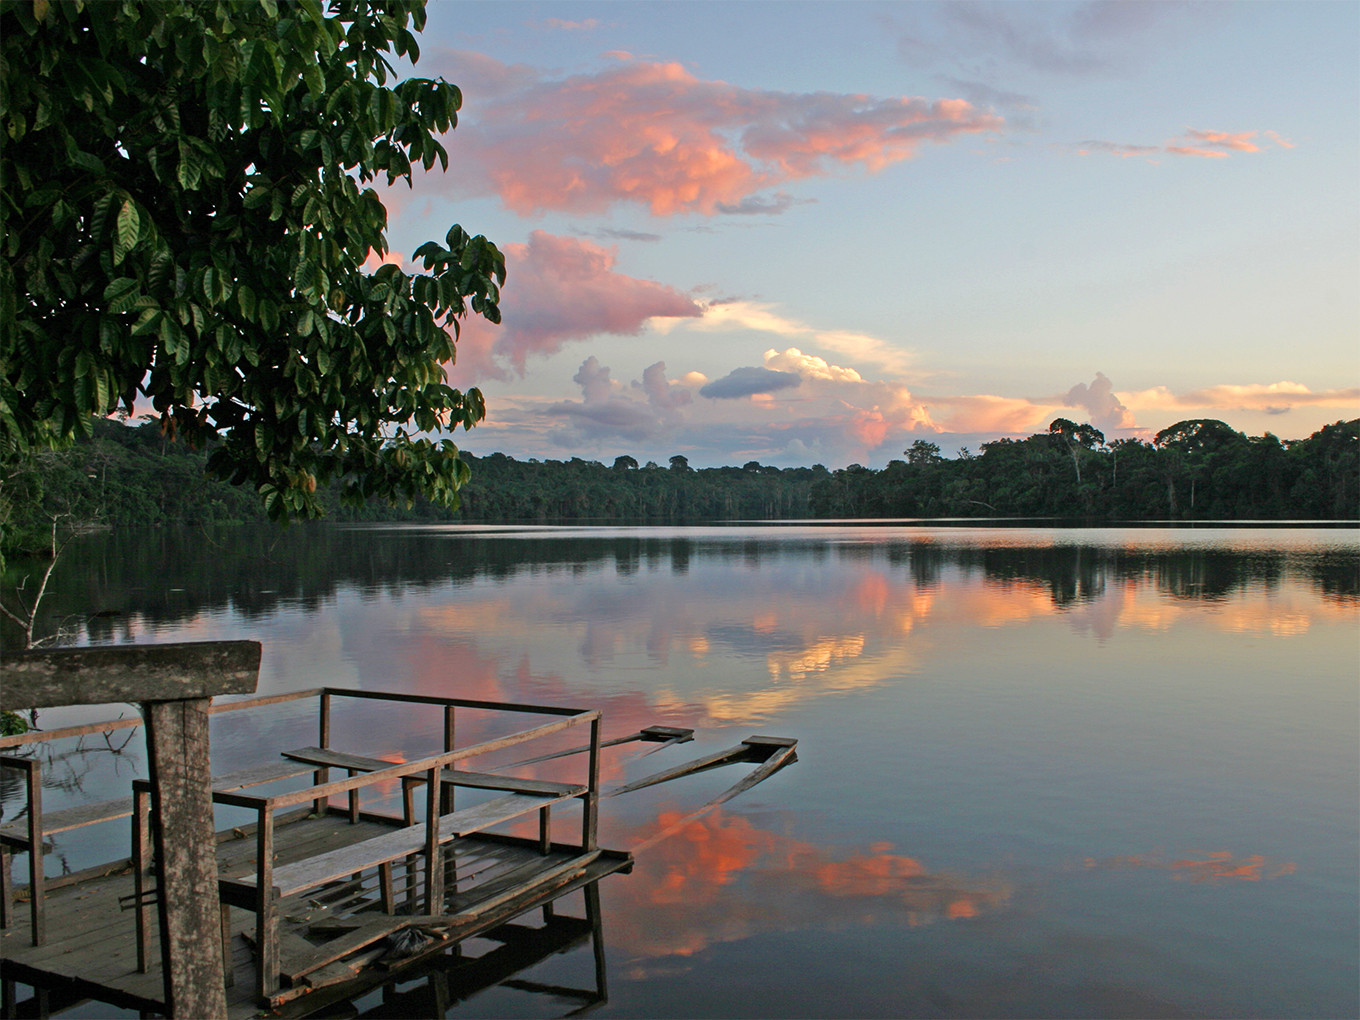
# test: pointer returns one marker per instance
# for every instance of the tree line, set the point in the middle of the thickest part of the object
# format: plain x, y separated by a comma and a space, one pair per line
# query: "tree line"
135, 474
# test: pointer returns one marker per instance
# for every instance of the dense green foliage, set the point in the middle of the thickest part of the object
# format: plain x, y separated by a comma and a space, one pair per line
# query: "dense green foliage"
186, 208
134, 475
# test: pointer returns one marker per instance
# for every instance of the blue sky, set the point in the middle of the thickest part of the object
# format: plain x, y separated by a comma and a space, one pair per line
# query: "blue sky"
814, 233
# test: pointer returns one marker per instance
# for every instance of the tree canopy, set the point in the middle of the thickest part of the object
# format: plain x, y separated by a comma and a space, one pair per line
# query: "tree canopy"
186, 205
132, 475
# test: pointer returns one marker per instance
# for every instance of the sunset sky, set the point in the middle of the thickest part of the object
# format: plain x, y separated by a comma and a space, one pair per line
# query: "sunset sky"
813, 233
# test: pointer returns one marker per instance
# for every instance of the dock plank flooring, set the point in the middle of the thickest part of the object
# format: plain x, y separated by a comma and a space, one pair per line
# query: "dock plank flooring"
92, 940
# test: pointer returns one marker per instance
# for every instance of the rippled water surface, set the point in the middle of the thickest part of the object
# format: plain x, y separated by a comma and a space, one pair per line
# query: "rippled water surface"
1044, 772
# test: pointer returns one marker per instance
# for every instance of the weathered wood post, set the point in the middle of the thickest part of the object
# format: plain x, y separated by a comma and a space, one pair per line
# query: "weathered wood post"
174, 685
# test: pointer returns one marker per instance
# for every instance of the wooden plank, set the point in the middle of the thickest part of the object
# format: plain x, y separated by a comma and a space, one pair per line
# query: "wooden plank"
770, 742
296, 966
514, 784
397, 772
499, 896
343, 861
42, 736
613, 742
319, 1000
709, 761
127, 673
785, 755
344, 970
325, 756
16, 833
667, 733
263, 700
258, 775
425, 699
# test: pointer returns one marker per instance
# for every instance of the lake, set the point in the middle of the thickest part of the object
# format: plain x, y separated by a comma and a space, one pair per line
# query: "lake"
1043, 771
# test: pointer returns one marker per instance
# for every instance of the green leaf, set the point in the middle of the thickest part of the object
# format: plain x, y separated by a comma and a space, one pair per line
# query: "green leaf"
129, 224
119, 295
190, 169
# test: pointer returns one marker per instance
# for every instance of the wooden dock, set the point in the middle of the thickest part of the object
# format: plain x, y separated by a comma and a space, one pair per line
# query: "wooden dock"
315, 899
491, 881
314, 892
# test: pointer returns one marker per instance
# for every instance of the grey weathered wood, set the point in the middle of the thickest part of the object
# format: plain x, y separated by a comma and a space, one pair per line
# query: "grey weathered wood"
709, 761
526, 882
173, 683
342, 862
770, 744
784, 755
16, 833
177, 744
127, 673
258, 775
326, 756
296, 968
655, 734
326, 790
32, 769
42, 736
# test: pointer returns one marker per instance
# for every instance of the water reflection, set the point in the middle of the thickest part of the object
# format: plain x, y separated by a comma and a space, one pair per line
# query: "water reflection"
170, 575
1216, 866
721, 878
998, 730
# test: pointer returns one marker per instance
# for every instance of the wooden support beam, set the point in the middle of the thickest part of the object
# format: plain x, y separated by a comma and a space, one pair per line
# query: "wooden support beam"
174, 685
181, 795
127, 673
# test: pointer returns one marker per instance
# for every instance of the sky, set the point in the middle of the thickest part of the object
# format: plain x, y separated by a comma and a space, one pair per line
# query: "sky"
814, 233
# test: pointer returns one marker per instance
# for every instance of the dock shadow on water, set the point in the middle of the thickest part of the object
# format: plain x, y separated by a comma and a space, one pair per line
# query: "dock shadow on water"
1058, 772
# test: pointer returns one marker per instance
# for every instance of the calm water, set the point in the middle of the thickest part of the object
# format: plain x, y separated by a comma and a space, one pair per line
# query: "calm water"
1071, 772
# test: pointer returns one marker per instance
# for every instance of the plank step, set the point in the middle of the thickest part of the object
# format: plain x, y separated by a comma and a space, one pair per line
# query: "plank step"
342, 862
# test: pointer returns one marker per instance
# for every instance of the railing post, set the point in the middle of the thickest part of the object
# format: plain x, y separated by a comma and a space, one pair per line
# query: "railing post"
36, 874
434, 865
446, 797
141, 839
266, 905
323, 740
590, 813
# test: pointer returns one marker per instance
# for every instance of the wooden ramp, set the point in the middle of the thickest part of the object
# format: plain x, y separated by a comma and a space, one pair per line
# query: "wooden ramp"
334, 941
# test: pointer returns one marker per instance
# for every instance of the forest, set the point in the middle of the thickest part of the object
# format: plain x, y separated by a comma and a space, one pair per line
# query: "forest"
134, 474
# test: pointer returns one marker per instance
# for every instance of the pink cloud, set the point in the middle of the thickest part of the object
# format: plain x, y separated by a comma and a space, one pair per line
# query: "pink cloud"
1240, 142
560, 289
989, 414
653, 134
1122, 150
1190, 150
1194, 142
374, 260
1270, 397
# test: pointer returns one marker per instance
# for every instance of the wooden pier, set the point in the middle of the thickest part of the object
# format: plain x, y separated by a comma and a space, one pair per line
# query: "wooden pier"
327, 887
337, 942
